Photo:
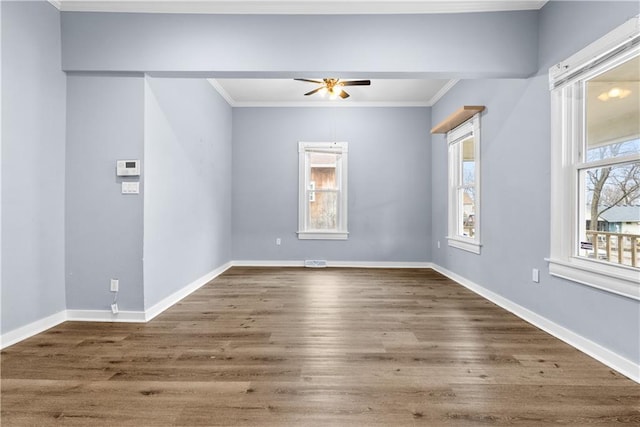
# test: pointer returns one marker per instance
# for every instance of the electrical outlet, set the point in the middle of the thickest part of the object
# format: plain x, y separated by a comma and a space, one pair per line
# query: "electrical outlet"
115, 284
114, 308
535, 275
278, 241
438, 244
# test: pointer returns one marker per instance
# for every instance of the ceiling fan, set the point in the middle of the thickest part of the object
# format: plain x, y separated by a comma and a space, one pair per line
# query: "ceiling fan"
334, 86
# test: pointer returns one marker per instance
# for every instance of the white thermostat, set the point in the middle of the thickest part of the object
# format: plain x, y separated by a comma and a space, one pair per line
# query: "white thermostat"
128, 167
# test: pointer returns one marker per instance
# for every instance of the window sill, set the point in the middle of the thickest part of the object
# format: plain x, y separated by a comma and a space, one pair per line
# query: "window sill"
619, 280
323, 235
465, 244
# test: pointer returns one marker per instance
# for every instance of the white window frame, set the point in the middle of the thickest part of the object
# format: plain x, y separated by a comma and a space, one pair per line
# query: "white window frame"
340, 233
455, 136
566, 81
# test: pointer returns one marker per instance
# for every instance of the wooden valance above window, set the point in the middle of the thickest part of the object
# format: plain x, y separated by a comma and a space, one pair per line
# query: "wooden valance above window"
458, 117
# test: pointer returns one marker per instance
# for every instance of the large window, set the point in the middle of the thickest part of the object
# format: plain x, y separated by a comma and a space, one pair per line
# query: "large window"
464, 185
322, 211
595, 232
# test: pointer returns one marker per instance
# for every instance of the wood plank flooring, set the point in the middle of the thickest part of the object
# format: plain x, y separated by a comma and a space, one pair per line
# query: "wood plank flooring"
313, 347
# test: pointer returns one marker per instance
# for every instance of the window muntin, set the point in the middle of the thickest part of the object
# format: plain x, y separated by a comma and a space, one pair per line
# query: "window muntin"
323, 191
595, 161
464, 177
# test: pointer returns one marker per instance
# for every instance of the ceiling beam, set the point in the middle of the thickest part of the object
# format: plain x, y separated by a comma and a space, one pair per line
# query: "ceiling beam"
297, 7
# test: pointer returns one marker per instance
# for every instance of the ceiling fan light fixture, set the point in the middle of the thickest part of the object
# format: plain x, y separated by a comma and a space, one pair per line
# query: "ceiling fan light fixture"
617, 92
334, 87
614, 92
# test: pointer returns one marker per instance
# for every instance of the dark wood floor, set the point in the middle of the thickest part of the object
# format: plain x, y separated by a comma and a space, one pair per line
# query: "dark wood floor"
325, 347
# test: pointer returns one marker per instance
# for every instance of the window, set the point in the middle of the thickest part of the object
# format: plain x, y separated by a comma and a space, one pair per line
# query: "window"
322, 211
595, 171
464, 185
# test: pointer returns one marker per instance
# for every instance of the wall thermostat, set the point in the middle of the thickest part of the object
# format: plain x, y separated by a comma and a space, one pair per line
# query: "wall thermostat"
128, 167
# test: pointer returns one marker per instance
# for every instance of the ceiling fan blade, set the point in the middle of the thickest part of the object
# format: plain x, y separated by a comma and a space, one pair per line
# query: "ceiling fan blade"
314, 91
320, 82
344, 95
356, 83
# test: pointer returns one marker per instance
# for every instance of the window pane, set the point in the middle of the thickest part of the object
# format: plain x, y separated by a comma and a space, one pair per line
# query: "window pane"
323, 211
324, 178
466, 220
613, 112
468, 162
323, 170
610, 220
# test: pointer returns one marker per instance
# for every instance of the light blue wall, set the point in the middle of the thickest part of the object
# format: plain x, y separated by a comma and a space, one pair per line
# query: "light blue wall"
187, 205
441, 45
33, 162
516, 185
104, 228
389, 176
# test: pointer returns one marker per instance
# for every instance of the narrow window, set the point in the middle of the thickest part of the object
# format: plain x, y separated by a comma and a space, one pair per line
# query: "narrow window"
464, 185
322, 210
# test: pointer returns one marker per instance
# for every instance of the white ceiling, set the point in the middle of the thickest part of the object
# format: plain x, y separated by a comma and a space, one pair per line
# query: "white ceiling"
287, 92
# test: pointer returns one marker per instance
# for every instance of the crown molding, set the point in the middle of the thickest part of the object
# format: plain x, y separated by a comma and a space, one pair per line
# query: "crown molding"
223, 93
451, 83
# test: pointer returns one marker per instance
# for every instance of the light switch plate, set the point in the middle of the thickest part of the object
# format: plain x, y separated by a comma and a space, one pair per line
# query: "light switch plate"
130, 187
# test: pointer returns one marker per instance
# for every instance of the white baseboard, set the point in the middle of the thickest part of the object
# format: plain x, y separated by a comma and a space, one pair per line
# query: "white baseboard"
105, 316
34, 328
175, 297
262, 263
613, 360
377, 264
344, 264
